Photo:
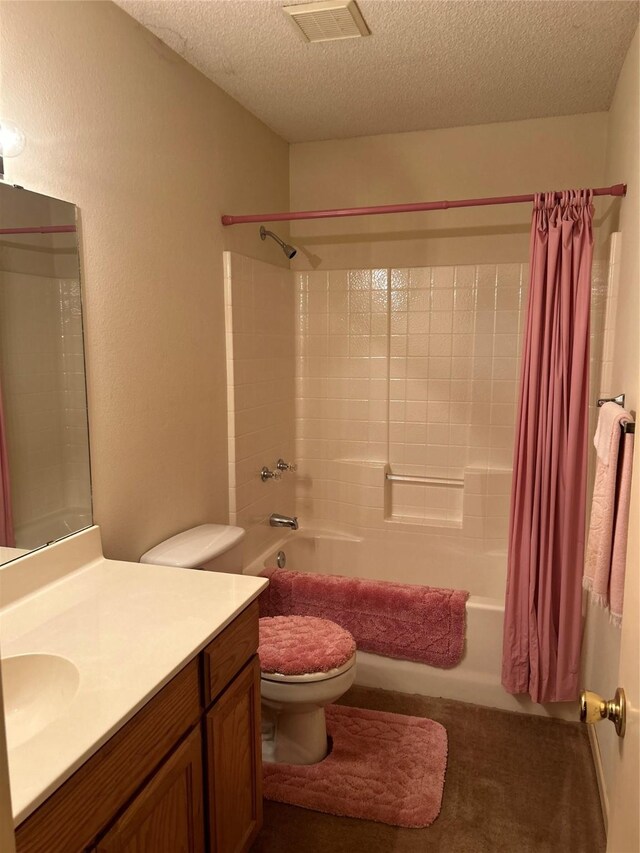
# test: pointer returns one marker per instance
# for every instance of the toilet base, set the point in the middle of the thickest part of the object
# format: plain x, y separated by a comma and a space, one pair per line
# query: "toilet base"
294, 729
294, 738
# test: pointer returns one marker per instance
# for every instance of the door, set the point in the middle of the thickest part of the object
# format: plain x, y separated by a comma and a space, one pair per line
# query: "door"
167, 816
624, 824
234, 750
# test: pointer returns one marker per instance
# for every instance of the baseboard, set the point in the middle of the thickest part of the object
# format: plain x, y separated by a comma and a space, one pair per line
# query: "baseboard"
597, 761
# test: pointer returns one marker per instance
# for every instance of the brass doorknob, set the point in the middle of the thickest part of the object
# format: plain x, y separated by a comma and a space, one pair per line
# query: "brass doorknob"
594, 708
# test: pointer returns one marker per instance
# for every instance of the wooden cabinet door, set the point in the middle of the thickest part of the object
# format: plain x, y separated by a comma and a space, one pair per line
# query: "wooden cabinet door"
167, 816
80, 810
234, 750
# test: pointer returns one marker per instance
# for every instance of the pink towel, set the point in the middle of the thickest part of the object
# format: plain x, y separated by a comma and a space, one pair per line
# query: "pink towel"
405, 621
607, 546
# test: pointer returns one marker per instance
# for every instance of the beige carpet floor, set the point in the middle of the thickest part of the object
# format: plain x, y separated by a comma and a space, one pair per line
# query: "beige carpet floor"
515, 784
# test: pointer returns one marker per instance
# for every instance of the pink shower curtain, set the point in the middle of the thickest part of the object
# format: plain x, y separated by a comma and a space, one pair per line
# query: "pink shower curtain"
542, 629
6, 518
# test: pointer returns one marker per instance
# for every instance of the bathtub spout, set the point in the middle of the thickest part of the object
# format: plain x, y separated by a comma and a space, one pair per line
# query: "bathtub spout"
277, 520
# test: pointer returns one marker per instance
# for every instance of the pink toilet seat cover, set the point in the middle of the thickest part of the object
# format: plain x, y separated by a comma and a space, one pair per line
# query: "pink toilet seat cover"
298, 645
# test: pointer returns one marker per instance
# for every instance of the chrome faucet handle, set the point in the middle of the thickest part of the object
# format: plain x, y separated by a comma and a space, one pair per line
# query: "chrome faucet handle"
266, 474
281, 465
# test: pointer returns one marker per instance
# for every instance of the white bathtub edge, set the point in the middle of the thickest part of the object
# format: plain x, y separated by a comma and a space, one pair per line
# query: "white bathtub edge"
461, 683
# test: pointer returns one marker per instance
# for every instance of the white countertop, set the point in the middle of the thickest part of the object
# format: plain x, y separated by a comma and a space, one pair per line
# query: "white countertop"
8, 554
128, 628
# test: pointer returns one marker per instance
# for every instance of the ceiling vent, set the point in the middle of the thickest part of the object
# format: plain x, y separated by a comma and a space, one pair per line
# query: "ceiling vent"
329, 20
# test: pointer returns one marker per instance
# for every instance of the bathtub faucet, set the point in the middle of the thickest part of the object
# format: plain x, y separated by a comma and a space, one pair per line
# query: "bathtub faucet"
277, 520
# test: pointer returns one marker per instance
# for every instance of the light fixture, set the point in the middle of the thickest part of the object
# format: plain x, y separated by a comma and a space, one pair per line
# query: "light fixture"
12, 142
12, 139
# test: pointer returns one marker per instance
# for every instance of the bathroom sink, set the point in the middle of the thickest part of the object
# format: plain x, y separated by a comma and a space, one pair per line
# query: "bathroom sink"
37, 689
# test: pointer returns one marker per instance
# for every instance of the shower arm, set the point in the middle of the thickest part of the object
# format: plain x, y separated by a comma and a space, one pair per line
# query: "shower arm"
264, 234
290, 251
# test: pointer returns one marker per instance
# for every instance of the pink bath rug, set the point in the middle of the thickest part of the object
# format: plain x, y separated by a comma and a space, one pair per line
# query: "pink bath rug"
384, 767
407, 621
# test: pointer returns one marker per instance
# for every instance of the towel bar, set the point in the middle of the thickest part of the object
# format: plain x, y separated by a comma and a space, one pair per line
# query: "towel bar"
619, 400
629, 427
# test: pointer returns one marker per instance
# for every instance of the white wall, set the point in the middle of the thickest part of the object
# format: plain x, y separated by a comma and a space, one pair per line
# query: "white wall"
463, 162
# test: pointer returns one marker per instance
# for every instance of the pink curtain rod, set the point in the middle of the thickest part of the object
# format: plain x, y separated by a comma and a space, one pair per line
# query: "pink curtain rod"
40, 229
616, 189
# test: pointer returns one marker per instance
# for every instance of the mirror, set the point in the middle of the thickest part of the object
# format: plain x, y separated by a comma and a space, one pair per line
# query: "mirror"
45, 485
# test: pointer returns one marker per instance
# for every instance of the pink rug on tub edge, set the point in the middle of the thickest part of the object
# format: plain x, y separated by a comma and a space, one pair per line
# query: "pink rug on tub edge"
384, 767
405, 621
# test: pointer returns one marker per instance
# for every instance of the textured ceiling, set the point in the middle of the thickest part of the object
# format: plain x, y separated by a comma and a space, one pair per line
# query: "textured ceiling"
427, 64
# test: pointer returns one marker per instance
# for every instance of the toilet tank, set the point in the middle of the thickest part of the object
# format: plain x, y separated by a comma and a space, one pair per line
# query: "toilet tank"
212, 547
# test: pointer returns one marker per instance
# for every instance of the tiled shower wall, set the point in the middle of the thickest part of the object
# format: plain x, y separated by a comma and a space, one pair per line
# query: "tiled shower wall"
412, 372
413, 367
259, 306
609, 298
360, 373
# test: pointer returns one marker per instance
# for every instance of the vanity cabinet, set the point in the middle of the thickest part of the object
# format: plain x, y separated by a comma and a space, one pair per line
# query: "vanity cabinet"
144, 790
234, 747
167, 815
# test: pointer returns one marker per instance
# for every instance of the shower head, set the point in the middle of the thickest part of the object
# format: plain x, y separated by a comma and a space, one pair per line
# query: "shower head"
289, 251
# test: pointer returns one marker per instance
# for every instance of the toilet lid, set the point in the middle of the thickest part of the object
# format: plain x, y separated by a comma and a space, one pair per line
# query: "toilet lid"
297, 645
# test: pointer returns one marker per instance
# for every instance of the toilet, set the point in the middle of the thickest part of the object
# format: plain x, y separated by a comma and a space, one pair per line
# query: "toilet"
306, 662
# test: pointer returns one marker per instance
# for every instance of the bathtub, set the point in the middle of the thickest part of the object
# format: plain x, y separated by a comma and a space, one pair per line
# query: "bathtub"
476, 679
